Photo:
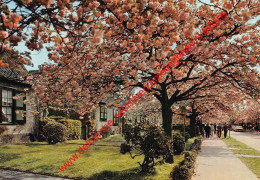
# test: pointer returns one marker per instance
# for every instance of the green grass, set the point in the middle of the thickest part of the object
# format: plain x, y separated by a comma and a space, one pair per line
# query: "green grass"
253, 163
240, 148
102, 161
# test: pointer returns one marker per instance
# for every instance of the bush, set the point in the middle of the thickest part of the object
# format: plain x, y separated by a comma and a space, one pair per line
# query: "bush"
150, 141
187, 136
178, 143
127, 128
55, 132
73, 128
193, 130
42, 123
124, 148
2, 129
185, 169
195, 146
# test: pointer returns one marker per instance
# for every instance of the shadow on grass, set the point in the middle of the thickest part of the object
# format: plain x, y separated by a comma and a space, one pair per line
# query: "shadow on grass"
8, 157
36, 144
130, 174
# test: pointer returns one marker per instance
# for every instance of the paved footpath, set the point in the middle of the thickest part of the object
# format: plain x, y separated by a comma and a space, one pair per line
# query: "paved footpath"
251, 139
16, 175
217, 162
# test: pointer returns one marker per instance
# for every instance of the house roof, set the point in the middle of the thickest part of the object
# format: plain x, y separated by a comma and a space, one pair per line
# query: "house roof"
13, 75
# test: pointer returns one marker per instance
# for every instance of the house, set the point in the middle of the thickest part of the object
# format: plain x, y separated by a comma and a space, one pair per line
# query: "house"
104, 113
17, 124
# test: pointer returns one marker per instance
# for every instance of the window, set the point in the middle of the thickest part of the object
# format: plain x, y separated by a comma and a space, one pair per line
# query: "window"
7, 106
19, 108
12, 109
114, 119
103, 113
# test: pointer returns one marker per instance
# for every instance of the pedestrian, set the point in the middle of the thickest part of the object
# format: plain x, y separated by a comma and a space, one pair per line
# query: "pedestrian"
219, 129
215, 128
207, 130
211, 130
225, 128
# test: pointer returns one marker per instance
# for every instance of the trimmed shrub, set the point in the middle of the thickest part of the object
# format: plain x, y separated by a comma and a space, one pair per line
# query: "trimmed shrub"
178, 142
195, 146
73, 128
185, 169
187, 136
55, 132
42, 123
56, 118
124, 148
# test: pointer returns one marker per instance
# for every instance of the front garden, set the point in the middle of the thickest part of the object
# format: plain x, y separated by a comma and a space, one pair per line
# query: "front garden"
102, 161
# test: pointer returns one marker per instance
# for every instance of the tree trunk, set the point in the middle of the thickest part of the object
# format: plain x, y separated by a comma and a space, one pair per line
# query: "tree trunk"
167, 119
167, 124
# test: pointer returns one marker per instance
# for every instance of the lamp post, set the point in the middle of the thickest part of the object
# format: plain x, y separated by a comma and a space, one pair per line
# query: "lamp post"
184, 124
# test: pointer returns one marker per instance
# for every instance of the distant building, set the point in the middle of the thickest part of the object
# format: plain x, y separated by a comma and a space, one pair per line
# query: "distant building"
104, 113
16, 121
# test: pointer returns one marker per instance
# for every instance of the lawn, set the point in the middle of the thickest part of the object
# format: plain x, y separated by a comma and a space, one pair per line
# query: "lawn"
253, 163
102, 161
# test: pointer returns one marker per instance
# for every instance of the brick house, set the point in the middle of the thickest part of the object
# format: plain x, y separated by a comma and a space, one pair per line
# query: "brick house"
17, 123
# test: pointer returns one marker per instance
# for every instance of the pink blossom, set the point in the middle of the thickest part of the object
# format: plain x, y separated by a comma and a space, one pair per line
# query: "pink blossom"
3, 34
186, 15
188, 108
95, 3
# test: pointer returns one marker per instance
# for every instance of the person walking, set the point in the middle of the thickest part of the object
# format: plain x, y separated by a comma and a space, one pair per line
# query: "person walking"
219, 129
207, 130
225, 128
215, 128
211, 130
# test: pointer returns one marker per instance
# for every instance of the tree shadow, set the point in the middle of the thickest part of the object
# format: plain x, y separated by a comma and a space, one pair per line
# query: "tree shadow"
36, 144
130, 174
8, 157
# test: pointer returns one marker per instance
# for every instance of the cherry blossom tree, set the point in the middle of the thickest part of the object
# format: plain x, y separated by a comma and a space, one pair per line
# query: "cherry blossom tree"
103, 47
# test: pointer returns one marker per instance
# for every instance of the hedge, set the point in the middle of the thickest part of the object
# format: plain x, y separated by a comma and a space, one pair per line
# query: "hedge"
185, 169
73, 128
42, 123
56, 118
55, 132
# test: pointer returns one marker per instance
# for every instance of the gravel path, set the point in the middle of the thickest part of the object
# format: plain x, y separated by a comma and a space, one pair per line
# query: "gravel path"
217, 162
16, 175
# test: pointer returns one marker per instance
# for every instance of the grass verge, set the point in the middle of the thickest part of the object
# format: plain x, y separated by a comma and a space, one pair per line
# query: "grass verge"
253, 163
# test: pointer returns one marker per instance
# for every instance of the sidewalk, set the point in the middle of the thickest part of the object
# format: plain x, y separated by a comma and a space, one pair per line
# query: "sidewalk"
16, 175
217, 162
